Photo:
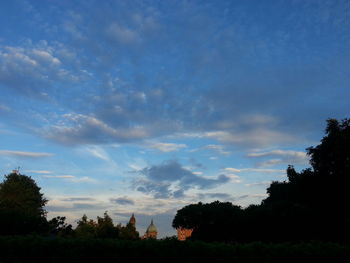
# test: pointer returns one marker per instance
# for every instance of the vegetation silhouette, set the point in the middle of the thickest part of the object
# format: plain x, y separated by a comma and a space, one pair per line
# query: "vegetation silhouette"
311, 205
22, 212
21, 206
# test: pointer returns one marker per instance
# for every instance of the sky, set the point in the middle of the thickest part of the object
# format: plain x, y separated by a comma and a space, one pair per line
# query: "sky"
147, 106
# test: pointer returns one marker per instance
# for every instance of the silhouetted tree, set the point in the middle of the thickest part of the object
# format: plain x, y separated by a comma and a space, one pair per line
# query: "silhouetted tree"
316, 198
311, 205
216, 221
21, 206
59, 227
86, 228
129, 232
105, 227
102, 228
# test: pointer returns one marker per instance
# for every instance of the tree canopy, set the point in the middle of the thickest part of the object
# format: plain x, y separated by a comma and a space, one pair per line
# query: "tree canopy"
21, 206
311, 204
20, 193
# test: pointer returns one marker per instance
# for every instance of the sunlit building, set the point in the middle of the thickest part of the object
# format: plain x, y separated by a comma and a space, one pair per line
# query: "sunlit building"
183, 233
151, 232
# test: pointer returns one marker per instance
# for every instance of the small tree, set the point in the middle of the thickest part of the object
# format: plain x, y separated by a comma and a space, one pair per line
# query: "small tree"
129, 232
105, 227
59, 227
86, 228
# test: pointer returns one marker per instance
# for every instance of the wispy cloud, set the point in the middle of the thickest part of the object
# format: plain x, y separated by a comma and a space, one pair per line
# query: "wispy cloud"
83, 129
74, 199
166, 147
220, 196
252, 137
213, 147
38, 171
72, 178
263, 183
255, 170
282, 157
84, 179
98, 152
59, 176
22, 154
284, 153
122, 201
232, 170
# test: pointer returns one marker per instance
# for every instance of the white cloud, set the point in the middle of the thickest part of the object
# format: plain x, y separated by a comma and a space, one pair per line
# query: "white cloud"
166, 147
22, 154
84, 179
214, 147
283, 153
231, 170
257, 170
257, 137
59, 176
45, 57
98, 152
84, 129
31, 70
72, 178
38, 171
283, 157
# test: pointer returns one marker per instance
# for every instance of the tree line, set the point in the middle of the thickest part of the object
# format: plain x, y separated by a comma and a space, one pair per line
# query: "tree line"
312, 204
22, 212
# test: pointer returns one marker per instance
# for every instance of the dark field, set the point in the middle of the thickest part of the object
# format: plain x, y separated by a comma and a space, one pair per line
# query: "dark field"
40, 249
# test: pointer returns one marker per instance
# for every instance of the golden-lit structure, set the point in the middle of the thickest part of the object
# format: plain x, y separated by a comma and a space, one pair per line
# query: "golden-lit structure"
183, 233
151, 232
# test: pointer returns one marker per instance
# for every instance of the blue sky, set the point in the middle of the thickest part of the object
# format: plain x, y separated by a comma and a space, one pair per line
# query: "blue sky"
146, 106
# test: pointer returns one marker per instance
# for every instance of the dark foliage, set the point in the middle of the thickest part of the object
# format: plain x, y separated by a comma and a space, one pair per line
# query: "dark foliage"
40, 249
312, 205
59, 227
128, 232
102, 228
211, 222
21, 206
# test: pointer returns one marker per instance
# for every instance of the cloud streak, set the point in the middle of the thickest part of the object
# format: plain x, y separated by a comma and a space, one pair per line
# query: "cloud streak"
72, 178
281, 157
122, 201
22, 154
166, 147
